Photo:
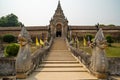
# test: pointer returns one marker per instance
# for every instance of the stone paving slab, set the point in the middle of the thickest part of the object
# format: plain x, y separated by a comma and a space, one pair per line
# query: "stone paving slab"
60, 65
60, 56
61, 76
61, 70
60, 62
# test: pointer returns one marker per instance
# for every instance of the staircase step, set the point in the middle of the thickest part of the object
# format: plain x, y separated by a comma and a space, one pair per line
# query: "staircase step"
59, 50
60, 62
61, 76
60, 65
52, 58
61, 70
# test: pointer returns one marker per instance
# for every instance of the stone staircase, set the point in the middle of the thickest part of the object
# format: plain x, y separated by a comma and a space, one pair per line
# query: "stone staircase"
60, 64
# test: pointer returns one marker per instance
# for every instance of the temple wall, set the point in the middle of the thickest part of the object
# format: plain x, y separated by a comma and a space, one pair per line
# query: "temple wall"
81, 33
93, 32
16, 33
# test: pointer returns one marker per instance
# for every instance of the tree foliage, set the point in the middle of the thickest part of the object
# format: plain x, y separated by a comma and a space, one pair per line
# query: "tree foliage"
102, 25
111, 25
10, 20
109, 40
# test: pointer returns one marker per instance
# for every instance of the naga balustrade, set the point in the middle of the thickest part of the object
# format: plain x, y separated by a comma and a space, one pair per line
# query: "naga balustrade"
39, 55
36, 59
82, 56
114, 63
97, 63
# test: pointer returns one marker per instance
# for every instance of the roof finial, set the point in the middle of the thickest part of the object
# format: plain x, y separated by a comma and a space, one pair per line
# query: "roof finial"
58, 1
59, 5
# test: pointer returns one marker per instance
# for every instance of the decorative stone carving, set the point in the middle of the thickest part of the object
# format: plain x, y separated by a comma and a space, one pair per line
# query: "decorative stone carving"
7, 67
24, 55
99, 61
114, 65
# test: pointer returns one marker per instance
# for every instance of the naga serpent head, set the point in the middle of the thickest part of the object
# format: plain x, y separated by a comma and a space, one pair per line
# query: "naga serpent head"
24, 37
99, 40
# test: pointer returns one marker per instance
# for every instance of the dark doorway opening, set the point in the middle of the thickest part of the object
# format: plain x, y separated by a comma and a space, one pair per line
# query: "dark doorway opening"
58, 30
58, 34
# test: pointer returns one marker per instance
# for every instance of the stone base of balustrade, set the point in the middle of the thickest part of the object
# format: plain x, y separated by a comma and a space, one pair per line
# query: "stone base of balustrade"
100, 75
7, 77
21, 75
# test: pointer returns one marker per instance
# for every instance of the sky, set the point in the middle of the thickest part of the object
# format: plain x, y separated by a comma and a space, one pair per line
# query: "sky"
78, 12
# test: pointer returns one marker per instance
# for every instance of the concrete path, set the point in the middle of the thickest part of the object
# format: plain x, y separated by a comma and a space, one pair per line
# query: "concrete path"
60, 64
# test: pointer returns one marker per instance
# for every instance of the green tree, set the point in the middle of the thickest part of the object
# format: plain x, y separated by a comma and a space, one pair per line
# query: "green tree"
111, 25
102, 25
10, 20
109, 40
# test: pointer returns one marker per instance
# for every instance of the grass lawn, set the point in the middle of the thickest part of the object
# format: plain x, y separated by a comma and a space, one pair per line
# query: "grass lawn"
113, 51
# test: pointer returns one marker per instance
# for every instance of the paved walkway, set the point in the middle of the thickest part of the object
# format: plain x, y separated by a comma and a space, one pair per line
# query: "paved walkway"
60, 65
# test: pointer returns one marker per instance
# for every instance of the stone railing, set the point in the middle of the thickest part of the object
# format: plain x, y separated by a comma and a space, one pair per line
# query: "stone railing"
39, 56
114, 66
82, 56
114, 63
7, 68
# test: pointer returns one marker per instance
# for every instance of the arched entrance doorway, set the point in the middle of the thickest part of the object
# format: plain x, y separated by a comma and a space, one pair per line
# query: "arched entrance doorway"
58, 30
